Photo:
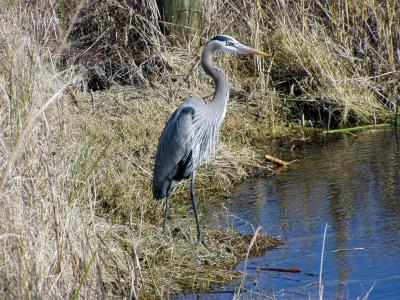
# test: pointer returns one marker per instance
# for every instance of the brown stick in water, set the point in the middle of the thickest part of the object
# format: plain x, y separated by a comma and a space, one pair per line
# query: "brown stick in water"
276, 160
287, 270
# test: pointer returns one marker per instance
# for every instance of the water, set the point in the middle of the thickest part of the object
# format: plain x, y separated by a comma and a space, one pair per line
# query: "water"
352, 183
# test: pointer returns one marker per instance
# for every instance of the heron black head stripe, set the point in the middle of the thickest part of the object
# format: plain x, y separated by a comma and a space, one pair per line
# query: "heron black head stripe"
222, 38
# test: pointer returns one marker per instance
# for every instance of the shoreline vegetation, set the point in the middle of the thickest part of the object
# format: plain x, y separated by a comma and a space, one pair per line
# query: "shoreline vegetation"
85, 92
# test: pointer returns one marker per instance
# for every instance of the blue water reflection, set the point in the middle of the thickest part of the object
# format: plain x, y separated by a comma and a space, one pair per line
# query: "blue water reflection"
351, 183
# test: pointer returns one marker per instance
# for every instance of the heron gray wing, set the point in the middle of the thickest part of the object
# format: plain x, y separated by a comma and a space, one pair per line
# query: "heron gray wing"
173, 158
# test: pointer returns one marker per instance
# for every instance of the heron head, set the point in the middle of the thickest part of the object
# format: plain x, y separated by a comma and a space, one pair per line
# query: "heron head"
228, 44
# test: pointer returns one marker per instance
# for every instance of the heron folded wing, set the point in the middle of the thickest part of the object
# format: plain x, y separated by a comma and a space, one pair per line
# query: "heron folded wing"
172, 160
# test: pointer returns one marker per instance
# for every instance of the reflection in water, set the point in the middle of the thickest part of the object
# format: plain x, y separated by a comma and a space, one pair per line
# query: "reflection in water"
353, 185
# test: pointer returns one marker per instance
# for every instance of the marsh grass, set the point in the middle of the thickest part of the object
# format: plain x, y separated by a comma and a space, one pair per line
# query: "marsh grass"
78, 219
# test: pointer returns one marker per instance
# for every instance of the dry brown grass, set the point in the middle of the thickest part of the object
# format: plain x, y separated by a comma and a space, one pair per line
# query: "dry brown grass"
327, 73
77, 217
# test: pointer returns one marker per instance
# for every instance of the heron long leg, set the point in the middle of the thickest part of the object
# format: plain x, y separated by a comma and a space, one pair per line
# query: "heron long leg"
165, 217
196, 216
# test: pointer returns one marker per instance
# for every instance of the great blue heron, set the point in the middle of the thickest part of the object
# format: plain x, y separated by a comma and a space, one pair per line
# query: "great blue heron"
191, 132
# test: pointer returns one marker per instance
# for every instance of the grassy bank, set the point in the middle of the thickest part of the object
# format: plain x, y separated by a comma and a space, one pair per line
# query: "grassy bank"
77, 217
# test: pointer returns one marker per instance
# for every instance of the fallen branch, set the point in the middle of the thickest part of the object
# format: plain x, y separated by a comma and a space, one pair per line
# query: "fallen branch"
349, 249
286, 270
358, 128
276, 160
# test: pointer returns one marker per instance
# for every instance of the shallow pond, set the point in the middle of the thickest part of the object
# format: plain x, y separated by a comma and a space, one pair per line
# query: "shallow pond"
352, 183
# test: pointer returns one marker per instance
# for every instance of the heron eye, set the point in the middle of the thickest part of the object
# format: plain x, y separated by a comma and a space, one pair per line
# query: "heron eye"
228, 43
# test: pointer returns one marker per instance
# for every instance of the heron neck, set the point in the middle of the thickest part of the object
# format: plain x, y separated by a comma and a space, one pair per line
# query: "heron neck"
220, 98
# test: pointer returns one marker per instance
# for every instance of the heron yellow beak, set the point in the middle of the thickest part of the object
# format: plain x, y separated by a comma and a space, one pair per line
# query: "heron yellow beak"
248, 50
